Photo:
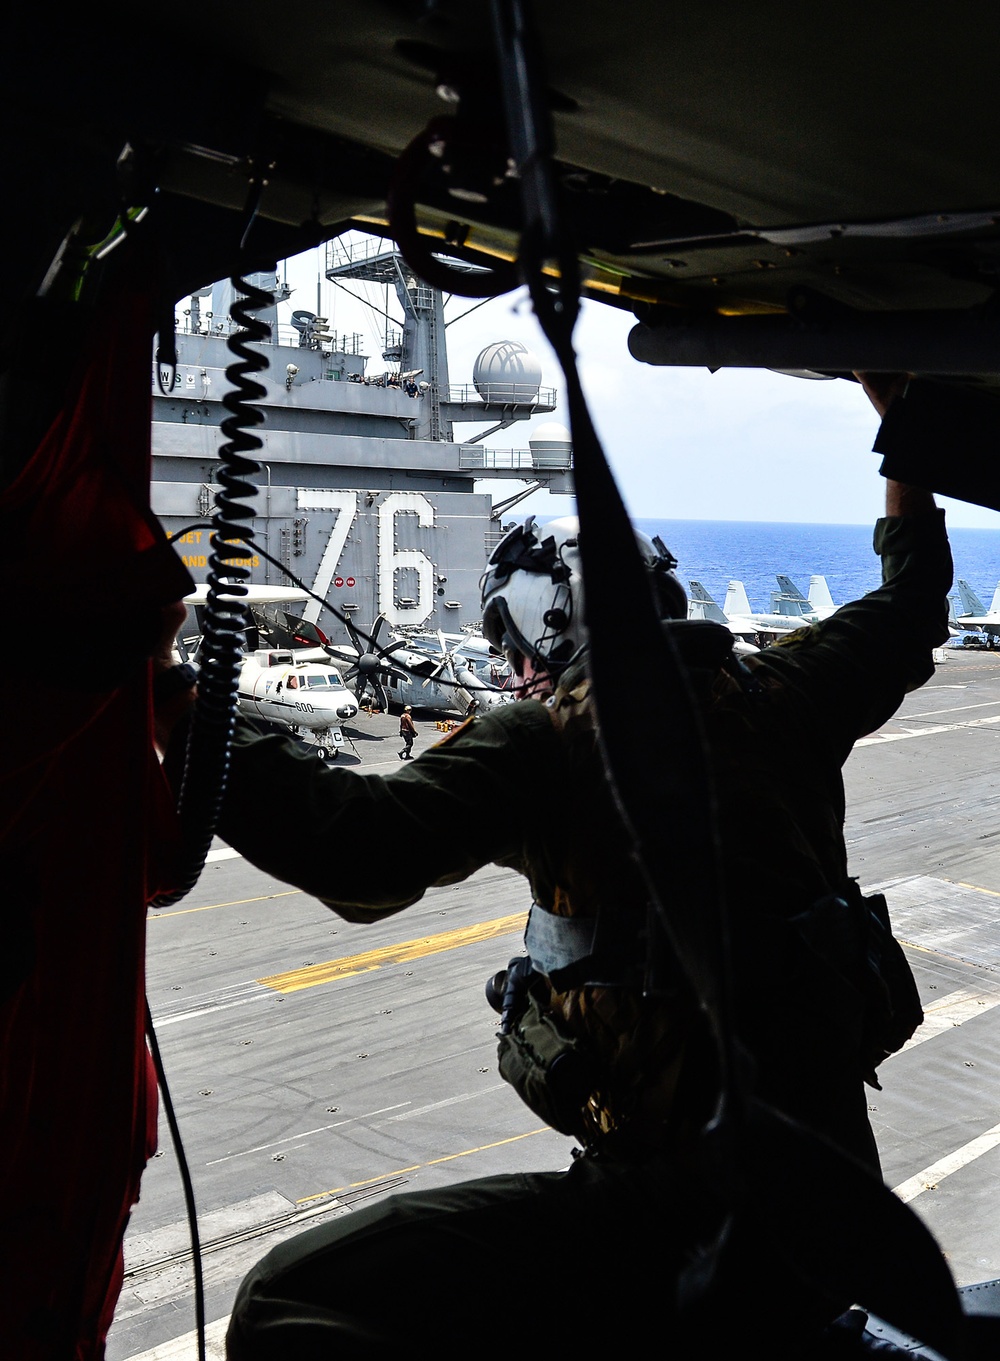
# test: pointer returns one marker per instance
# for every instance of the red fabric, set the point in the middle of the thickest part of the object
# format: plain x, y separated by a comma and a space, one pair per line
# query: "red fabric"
85, 817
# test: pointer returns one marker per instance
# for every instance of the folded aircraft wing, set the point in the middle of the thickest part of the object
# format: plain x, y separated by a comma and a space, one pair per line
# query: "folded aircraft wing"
252, 595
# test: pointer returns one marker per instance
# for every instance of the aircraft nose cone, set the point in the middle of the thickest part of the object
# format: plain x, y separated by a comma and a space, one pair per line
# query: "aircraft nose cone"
346, 710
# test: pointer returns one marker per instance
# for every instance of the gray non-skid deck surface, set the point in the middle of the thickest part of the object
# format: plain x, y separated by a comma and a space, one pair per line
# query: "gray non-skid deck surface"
295, 1105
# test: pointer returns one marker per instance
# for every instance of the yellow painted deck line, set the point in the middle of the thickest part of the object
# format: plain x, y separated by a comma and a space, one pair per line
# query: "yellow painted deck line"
991, 892
333, 969
209, 907
415, 1167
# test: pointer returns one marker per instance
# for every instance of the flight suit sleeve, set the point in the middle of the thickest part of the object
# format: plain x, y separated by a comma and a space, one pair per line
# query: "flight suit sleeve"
368, 845
847, 675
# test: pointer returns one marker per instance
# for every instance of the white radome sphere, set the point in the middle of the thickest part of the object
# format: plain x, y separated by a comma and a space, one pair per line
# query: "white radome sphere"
550, 441
548, 434
507, 371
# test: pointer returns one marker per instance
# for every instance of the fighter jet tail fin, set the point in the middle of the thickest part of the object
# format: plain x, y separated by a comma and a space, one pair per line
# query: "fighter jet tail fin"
788, 587
736, 599
971, 604
701, 605
819, 594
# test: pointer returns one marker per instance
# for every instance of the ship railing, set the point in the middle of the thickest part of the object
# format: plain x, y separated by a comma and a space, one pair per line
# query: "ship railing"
474, 456
371, 258
353, 343
422, 297
501, 394
348, 252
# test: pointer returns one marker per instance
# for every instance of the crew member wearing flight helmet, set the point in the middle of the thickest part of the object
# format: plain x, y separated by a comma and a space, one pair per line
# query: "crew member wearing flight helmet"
627, 1073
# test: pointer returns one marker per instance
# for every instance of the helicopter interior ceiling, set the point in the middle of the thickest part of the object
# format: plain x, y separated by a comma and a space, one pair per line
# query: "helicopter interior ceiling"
796, 187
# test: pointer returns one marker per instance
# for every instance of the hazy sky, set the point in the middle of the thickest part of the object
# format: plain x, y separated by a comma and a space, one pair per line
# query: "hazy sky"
739, 444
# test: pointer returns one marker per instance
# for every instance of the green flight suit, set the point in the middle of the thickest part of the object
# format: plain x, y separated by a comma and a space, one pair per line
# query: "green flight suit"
528, 798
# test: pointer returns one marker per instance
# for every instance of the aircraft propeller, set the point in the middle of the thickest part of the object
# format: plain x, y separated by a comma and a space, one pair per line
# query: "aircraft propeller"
447, 662
371, 668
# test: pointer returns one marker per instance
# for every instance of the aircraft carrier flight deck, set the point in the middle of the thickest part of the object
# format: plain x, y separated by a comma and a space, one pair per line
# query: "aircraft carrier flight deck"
315, 1064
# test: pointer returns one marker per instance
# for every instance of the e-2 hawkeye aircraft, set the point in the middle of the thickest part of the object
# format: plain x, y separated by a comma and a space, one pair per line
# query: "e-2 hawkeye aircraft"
281, 686
308, 698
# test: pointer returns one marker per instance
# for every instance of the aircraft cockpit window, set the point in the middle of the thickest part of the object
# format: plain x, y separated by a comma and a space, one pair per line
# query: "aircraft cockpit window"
293, 682
316, 680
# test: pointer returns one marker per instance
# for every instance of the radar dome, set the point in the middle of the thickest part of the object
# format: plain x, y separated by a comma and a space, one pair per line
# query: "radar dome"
550, 443
507, 371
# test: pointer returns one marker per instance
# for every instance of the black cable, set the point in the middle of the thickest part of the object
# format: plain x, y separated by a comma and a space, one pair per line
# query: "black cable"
186, 529
185, 1171
206, 764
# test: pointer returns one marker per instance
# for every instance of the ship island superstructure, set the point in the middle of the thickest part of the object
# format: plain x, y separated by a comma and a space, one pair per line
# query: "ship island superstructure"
365, 495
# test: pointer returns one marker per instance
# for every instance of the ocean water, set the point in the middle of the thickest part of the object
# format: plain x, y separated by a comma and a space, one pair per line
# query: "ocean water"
716, 552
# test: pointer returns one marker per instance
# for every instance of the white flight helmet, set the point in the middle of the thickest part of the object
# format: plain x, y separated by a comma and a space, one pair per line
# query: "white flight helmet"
532, 591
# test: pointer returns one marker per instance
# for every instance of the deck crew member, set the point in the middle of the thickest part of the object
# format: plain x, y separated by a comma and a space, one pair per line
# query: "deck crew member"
407, 731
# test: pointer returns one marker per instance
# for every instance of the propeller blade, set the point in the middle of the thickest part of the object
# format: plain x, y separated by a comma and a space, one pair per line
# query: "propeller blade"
436, 671
393, 647
381, 698
376, 630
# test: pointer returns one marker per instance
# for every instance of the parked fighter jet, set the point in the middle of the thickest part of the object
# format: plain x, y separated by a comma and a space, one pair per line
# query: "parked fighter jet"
973, 614
737, 608
702, 605
817, 605
737, 615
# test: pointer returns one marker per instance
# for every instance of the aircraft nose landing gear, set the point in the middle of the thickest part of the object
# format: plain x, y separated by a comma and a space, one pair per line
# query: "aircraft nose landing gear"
327, 743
